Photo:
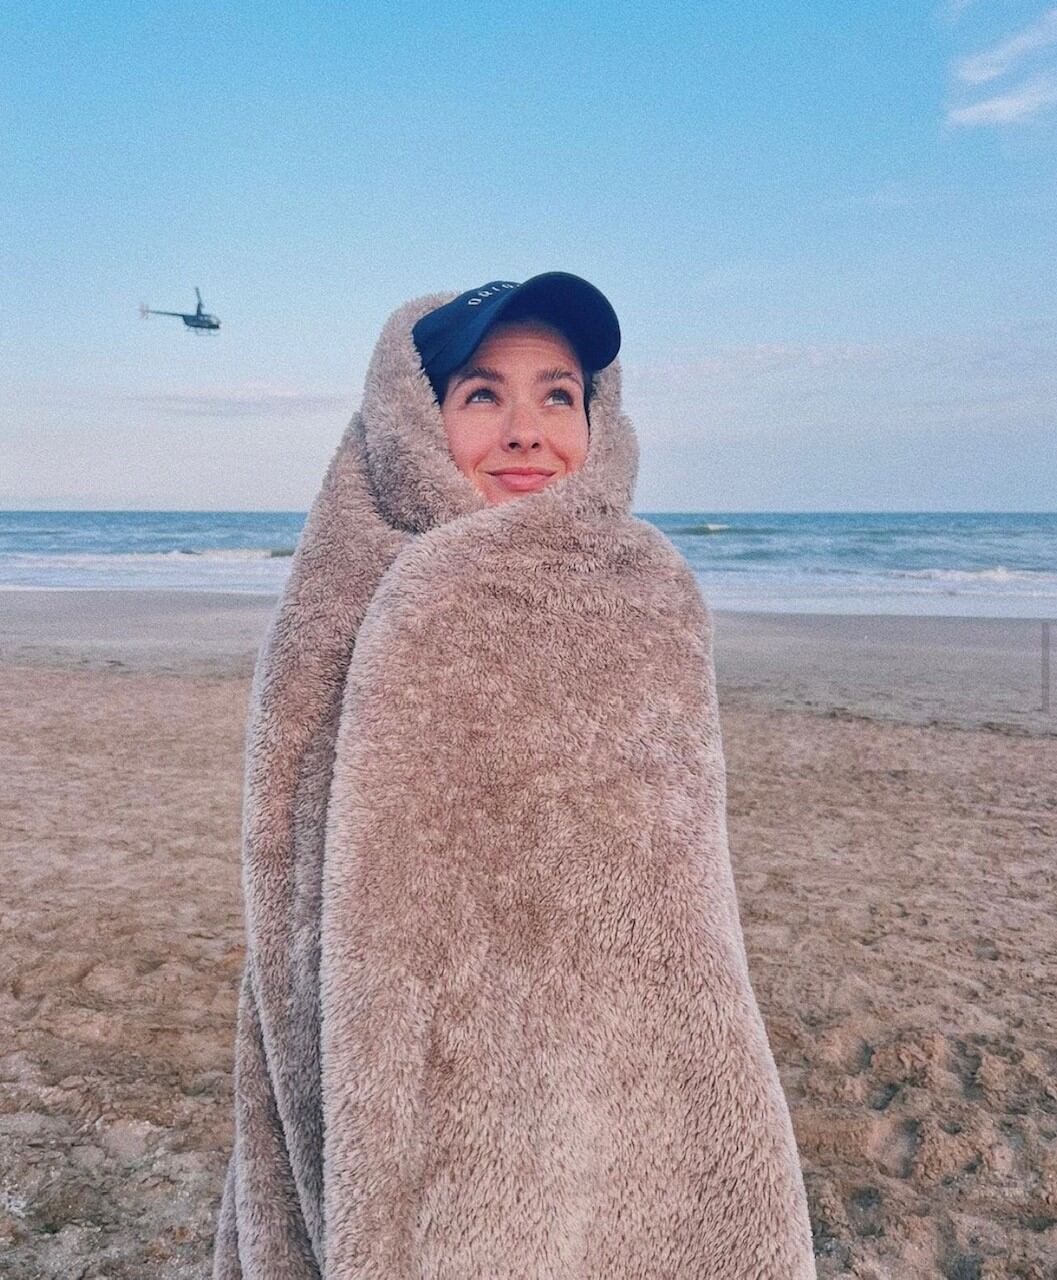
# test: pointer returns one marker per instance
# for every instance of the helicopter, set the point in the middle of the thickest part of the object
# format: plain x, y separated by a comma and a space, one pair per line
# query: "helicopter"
199, 320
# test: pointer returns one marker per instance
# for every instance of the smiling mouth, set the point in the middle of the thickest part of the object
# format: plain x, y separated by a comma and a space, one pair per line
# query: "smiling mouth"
521, 471
522, 479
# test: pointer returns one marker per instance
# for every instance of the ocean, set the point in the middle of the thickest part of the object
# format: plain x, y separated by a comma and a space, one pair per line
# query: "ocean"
969, 564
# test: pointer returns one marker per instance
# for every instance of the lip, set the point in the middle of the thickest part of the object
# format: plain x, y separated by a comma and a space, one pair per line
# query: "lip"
522, 479
521, 471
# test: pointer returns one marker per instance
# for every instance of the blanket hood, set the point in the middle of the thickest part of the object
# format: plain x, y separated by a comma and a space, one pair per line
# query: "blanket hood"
414, 480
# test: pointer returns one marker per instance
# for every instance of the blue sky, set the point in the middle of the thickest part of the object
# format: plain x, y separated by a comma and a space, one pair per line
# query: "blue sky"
829, 231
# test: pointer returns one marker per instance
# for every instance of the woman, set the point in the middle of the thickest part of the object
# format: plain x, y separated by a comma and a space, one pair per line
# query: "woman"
496, 1019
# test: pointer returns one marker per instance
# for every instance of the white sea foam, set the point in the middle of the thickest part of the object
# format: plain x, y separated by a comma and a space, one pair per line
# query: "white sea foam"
215, 569
997, 573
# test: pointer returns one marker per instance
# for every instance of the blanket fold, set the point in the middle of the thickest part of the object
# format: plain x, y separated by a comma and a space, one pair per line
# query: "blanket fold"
496, 1019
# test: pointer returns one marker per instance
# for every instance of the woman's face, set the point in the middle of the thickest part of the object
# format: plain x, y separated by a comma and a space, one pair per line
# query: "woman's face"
514, 413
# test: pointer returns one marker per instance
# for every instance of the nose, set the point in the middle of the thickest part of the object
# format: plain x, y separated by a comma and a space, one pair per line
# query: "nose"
521, 429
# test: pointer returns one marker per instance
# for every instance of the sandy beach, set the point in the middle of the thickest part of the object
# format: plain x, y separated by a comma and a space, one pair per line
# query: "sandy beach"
893, 821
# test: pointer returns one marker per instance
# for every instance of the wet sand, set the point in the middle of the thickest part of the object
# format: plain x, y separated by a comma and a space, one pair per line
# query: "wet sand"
896, 880
960, 671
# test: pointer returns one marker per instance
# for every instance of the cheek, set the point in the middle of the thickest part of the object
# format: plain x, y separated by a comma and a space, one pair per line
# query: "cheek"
469, 440
574, 444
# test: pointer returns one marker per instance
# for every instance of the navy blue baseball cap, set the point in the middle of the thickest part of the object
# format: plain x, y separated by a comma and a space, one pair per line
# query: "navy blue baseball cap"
448, 336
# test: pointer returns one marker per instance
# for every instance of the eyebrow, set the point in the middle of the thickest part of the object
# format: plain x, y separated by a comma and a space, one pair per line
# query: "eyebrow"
478, 371
556, 375
493, 375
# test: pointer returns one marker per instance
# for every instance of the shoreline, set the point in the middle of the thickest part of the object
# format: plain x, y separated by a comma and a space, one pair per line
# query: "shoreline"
916, 669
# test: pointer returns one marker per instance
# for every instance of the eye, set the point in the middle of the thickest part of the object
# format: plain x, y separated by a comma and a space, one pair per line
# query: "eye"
563, 396
480, 395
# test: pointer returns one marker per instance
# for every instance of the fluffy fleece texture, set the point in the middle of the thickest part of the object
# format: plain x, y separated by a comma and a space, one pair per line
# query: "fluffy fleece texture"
496, 1021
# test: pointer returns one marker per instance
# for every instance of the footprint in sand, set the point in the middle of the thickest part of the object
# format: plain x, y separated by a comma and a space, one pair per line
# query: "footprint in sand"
893, 1144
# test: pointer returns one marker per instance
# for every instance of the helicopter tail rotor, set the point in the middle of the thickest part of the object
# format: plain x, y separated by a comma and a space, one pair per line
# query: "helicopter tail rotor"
144, 311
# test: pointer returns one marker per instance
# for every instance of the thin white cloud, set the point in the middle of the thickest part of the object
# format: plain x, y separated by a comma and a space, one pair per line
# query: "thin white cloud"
890, 195
761, 359
1015, 107
980, 68
251, 400
1005, 377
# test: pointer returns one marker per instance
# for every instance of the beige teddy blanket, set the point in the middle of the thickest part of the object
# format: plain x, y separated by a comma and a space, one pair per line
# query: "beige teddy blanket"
496, 1021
